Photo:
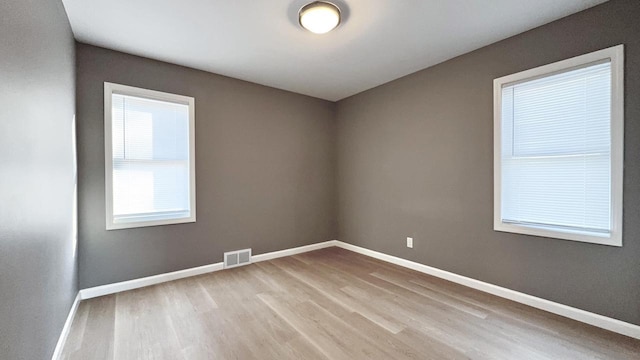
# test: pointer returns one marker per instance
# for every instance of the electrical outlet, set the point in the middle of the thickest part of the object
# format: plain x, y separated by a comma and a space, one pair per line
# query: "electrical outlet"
410, 242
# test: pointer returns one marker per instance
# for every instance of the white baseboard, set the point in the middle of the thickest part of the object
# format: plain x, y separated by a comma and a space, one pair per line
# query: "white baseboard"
600, 321
180, 274
66, 328
147, 281
293, 251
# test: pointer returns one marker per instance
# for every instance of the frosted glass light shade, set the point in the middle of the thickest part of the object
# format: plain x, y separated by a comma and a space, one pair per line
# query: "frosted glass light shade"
319, 17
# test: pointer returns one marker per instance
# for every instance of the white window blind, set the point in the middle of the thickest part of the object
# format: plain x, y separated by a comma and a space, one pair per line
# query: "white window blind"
559, 149
150, 161
556, 151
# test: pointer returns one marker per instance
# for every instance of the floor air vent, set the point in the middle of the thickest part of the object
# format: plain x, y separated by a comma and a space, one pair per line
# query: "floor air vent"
237, 258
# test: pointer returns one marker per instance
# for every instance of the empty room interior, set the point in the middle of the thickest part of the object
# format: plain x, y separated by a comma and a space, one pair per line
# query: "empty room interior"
298, 179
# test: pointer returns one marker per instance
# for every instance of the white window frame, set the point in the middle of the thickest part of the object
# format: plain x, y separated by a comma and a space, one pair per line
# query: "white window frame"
109, 90
616, 55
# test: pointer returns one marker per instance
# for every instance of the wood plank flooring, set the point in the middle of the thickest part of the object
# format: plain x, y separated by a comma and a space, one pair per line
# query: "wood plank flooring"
327, 304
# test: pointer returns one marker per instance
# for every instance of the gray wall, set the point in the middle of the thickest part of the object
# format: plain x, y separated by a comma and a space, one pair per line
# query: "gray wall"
415, 158
37, 246
265, 170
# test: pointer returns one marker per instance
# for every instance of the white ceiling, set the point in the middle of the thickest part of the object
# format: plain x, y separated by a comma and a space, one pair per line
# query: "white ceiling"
261, 41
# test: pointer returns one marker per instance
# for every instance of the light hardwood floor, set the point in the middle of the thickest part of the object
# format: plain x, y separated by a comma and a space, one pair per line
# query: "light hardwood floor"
327, 304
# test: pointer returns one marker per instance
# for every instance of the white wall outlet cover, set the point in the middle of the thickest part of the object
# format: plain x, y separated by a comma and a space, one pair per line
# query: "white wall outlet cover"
410, 242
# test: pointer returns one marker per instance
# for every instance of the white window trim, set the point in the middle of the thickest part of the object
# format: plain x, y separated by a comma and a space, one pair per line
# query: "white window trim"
616, 55
111, 88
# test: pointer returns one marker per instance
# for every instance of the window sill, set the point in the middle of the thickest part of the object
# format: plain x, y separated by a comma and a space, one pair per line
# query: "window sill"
613, 239
146, 223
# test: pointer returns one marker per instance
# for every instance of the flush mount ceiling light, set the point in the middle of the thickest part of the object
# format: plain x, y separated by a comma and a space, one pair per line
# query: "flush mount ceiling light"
319, 17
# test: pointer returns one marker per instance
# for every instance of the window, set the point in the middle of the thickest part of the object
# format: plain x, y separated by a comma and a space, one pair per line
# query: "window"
558, 149
149, 157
